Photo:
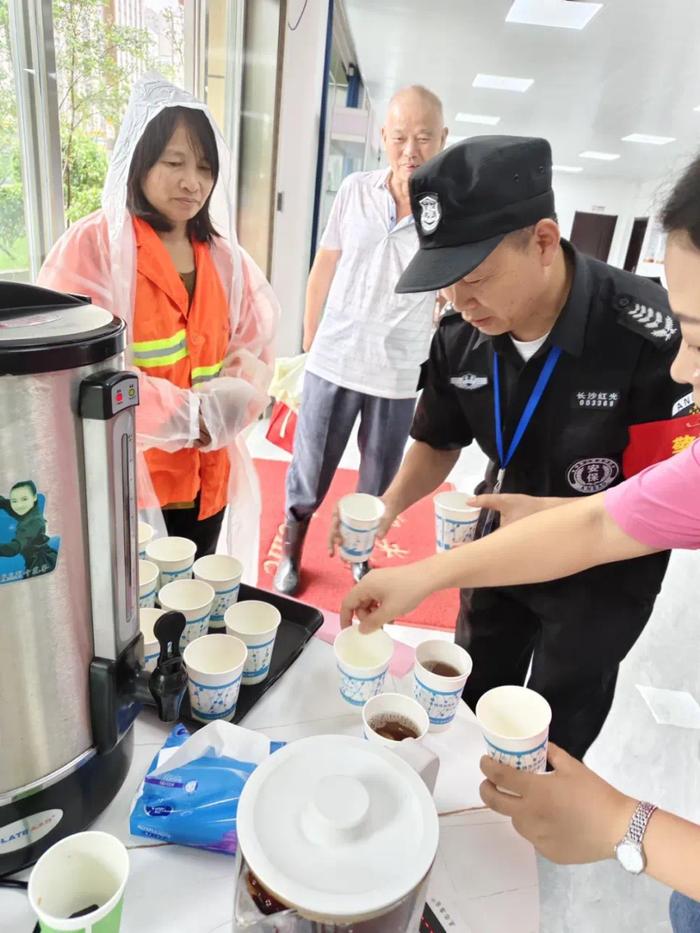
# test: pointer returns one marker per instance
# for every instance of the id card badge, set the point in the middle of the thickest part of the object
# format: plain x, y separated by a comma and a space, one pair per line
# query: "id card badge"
489, 519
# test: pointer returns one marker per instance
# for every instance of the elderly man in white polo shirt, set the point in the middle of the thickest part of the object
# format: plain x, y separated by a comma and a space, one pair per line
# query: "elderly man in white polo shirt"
365, 352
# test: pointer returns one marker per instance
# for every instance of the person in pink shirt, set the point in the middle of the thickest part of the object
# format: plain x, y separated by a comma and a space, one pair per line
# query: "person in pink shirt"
573, 816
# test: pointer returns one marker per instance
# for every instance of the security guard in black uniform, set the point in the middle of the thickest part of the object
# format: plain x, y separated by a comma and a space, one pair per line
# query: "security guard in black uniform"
548, 359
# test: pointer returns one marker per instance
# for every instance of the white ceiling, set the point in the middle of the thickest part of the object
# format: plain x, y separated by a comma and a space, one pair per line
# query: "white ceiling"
635, 68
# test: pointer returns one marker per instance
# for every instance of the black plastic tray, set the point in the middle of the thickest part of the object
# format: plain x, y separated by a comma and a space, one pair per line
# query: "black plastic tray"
299, 623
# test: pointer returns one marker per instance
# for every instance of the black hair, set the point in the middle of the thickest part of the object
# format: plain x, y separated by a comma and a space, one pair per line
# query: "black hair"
150, 148
26, 482
682, 209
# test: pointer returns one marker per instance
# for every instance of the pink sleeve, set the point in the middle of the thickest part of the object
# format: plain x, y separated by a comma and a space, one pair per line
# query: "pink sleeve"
661, 505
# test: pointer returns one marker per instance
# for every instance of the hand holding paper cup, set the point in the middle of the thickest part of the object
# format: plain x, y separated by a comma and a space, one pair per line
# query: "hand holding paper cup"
215, 669
515, 724
255, 623
455, 520
363, 661
360, 515
78, 884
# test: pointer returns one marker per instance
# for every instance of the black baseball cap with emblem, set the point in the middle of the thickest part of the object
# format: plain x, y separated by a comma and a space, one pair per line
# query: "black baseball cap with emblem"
471, 196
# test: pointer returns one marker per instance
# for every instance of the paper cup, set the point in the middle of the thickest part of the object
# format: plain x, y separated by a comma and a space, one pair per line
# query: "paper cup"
80, 870
148, 583
455, 520
515, 724
223, 574
255, 623
151, 648
439, 695
363, 661
393, 707
174, 557
214, 668
360, 515
145, 532
194, 599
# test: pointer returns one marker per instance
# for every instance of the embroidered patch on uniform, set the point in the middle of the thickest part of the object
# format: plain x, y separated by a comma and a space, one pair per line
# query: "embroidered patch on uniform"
657, 325
430, 212
593, 474
685, 402
596, 399
469, 381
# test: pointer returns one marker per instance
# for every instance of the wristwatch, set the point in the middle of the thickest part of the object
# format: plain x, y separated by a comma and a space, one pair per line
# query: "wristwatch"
629, 851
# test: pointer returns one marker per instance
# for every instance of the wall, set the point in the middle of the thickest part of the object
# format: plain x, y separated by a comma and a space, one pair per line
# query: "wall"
300, 110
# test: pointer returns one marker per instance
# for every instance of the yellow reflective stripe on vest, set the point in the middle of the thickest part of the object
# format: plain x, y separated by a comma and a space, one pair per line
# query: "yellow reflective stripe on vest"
162, 352
205, 373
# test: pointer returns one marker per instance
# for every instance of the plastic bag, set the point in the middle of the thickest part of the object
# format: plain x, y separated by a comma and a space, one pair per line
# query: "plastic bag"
190, 793
288, 380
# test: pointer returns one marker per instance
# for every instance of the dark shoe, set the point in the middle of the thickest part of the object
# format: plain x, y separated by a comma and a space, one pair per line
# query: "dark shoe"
288, 574
359, 570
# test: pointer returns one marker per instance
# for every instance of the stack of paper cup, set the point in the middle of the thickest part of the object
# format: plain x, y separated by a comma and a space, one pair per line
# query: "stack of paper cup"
363, 661
148, 583
174, 557
151, 648
194, 599
360, 515
76, 873
255, 623
455, 520
223, 574
145, 532
214, 667
439, 695
515, 723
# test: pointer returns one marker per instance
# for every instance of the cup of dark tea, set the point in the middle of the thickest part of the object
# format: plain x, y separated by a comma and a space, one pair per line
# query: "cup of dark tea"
439, 675
390, 718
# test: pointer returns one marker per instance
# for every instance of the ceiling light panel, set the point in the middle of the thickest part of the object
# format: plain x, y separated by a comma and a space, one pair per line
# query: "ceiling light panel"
602, 156
503, 83
481, 118
560, 13
572, 169
649, 139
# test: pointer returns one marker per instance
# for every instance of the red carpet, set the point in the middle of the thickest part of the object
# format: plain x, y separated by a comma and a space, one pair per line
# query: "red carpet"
326, 580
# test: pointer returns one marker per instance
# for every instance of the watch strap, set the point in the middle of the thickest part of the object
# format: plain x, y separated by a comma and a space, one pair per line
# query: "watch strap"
638, 824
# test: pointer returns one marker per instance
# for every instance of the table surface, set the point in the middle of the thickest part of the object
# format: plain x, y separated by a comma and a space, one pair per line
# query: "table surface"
484, 879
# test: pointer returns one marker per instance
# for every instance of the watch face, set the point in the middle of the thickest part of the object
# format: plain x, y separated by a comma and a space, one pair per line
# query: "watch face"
630, 856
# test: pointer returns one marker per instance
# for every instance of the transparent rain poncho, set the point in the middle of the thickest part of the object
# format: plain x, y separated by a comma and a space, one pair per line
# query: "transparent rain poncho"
97, 257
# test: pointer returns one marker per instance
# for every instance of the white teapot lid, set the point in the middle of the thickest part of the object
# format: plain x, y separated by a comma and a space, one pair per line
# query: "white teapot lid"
336, 827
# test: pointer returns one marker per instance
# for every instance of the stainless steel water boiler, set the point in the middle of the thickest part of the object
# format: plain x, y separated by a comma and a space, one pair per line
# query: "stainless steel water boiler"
70, 646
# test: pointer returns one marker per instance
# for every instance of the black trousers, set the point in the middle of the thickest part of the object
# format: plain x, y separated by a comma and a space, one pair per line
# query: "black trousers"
575, 631
183, 523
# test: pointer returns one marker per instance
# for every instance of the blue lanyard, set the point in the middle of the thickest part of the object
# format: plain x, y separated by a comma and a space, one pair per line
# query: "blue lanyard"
528, 411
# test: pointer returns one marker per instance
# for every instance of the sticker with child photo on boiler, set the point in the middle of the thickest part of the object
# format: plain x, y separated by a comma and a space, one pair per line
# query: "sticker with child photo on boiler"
27, 549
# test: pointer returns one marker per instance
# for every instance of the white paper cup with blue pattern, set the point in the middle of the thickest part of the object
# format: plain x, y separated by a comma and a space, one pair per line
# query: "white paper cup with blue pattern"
362, 661
455, 520
145, 533
149, 574
515, 725
255, 622
439, 694
194, 599
174, 556
215, 670
223, 574
151, 648
360, 515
